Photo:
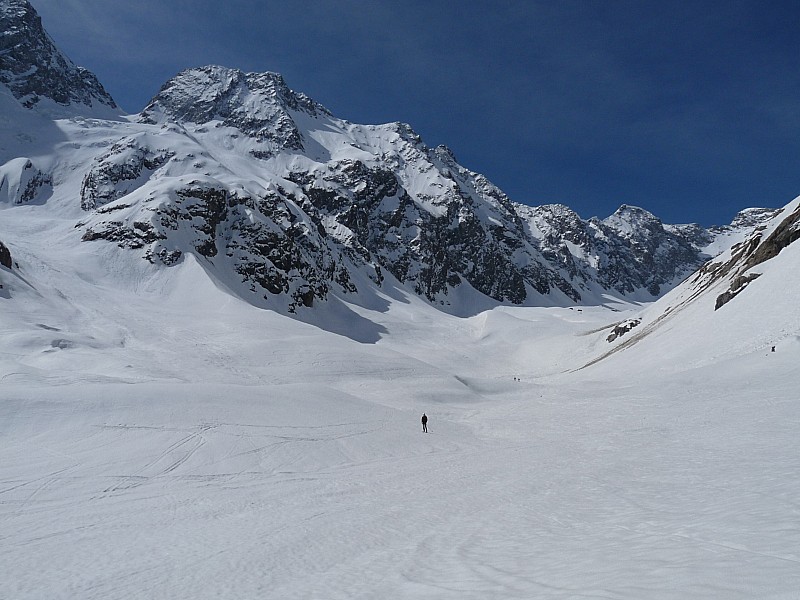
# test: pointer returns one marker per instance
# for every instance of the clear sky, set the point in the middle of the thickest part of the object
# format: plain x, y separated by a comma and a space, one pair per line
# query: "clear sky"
690, 109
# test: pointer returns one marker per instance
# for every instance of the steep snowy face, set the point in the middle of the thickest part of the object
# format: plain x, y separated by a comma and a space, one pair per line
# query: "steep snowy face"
21, 182
258, 105
38, 74
743, 297
299, 227
740, 265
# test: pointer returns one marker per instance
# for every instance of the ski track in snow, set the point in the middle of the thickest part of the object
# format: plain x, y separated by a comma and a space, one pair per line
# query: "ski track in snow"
141, 498
160, 438
208, 449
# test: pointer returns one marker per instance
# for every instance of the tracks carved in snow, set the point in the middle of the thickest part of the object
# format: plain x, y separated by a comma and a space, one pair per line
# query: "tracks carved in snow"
176, 454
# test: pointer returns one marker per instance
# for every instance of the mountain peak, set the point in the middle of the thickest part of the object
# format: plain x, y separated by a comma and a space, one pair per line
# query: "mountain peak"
290, 205
251, 102
752, 217
631, 219
39, 76
628, 212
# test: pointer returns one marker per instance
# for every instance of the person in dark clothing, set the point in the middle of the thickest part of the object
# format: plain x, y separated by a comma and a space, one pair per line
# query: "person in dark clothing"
424, 423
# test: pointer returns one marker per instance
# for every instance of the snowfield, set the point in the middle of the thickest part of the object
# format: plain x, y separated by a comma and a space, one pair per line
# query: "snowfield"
169, 429
161, 438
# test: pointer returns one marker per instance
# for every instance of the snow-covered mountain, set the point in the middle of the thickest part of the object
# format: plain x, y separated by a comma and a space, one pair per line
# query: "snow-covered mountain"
289, 206
164, 436
629, 253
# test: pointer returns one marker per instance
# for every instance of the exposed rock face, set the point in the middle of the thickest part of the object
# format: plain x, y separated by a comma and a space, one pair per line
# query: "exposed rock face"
650, 254
34, 69
786, 233
621, 329
125, 167
271, 244
431, 242
5, 256
738, 285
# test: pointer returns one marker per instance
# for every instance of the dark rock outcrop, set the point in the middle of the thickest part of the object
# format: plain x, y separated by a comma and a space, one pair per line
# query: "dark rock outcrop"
119, 171
5, 256
34, 69
735, 265
738, 285
621, 329
629, 251
273, 246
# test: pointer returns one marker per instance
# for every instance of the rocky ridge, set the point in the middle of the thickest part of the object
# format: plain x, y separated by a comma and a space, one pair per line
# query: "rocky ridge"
630, 251
738, 263
377, 199
35, 70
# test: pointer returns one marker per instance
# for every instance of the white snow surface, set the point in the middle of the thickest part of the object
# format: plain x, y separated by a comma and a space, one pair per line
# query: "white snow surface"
161, 438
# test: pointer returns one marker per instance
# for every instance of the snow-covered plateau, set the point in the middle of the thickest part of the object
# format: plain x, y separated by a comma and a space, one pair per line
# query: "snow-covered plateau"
221, 320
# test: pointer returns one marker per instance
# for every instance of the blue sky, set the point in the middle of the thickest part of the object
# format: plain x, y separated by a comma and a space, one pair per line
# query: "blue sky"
688, 109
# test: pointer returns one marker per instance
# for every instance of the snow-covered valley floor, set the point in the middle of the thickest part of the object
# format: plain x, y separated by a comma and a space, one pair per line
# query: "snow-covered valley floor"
157, 448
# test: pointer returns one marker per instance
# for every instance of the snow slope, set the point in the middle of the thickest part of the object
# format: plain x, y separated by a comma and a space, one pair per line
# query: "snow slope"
168, 431
159, 448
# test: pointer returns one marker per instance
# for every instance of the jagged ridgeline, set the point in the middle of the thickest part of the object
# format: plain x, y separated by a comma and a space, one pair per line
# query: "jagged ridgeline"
267, 182
288, 204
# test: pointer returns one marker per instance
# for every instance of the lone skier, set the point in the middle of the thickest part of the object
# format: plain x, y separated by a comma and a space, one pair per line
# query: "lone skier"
424, 423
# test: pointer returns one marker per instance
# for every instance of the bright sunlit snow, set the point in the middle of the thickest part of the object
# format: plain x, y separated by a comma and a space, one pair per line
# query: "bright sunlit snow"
171, 430
159, 447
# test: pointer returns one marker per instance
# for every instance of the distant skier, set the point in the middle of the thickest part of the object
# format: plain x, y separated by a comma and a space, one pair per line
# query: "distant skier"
773, 348
424, 423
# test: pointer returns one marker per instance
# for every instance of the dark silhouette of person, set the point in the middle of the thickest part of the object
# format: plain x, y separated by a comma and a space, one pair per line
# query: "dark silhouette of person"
773, 348
424, 423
